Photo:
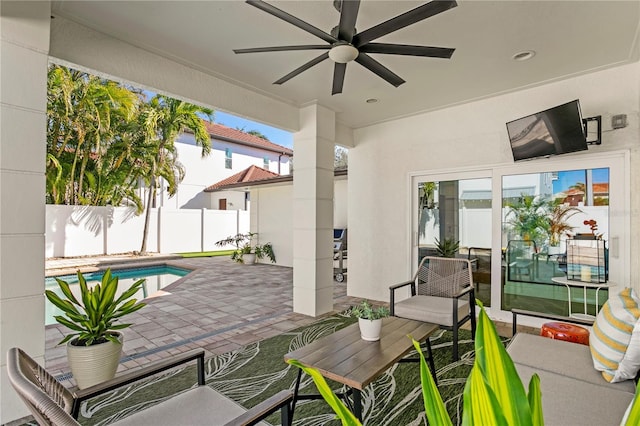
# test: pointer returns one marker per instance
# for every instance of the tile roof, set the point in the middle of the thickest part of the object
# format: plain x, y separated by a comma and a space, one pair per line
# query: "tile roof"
249, 175
219, 131
261, 178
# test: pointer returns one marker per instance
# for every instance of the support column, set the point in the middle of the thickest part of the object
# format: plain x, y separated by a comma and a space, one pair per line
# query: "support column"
24, 46
313, 212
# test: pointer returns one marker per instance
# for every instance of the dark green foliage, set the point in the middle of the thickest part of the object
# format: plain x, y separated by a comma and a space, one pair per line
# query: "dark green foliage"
93, 318
447, 247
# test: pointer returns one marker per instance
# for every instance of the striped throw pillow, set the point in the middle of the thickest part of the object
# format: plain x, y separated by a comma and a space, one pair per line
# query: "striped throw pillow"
612, 332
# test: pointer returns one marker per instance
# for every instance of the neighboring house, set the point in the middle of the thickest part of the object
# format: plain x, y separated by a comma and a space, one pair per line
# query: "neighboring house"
273, 208
232, 193
232, 151
576, 196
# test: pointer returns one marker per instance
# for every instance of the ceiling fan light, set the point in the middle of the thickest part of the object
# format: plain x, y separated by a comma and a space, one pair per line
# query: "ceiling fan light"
343, 53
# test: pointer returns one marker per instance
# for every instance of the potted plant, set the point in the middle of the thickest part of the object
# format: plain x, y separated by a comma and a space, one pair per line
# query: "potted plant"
447, 247
369, 320
558, 224
527, 218
95, 344
246, 251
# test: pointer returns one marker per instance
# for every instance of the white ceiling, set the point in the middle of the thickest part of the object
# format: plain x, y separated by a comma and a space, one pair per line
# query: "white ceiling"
569, 38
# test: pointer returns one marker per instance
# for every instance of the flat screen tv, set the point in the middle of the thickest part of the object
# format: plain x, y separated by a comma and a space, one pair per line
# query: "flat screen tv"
557, 130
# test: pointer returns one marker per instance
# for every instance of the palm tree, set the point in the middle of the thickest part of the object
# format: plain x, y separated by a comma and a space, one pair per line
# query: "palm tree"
84, 113
527, 217
161, 122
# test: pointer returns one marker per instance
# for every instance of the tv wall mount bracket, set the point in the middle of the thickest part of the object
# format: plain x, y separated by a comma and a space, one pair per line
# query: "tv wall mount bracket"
593, 125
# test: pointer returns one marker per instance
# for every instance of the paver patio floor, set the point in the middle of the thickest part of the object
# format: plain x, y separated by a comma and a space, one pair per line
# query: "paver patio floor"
219, 307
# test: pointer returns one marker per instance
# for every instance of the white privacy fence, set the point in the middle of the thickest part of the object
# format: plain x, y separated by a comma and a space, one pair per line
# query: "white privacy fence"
86, 230
475, 225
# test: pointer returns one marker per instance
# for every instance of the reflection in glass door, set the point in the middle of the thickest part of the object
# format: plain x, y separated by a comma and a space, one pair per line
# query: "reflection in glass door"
541, 214
454, 219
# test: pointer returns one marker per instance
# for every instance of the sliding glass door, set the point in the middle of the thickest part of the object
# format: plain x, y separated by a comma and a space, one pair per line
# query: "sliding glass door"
514, 222
453, 219
543, 213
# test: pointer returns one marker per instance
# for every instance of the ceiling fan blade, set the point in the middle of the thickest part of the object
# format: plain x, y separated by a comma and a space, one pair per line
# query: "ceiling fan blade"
379, 69
408, 18
407, 49
304, 67
348, 16
266, 7
283, 48
338, 78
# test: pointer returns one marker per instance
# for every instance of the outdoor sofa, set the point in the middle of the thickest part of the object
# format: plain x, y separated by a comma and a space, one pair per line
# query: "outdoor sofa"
573, 391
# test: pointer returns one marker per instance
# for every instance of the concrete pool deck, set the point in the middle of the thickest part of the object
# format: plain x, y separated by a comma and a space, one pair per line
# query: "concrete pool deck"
219, 307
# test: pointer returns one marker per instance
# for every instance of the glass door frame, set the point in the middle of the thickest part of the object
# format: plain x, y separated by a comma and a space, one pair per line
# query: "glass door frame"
434, 177
618, 163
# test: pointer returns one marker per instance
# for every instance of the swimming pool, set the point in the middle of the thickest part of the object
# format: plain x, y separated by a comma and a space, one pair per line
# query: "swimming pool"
157, 278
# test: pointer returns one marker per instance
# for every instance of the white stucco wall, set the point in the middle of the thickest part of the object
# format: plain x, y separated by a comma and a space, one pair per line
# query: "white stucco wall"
204, 171
272, 216
340, 203
467, 136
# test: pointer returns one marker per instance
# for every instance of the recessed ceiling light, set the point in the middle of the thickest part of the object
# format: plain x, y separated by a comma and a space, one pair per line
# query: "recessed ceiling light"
525, 55
371, 101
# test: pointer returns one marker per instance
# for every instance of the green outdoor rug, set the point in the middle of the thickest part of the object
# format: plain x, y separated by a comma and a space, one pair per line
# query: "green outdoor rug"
255, 372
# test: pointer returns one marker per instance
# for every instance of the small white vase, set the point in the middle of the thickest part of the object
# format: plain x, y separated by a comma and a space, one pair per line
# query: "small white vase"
370, 329
94, 364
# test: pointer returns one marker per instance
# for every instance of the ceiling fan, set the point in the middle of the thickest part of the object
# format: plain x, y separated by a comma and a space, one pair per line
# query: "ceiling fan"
345, 44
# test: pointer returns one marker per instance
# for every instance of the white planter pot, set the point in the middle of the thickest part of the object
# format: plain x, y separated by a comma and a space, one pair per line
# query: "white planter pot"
554, 250
94, 364
370, 329
249, 258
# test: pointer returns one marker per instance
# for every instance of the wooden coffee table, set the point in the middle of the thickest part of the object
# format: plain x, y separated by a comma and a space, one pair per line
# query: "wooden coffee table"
345, 358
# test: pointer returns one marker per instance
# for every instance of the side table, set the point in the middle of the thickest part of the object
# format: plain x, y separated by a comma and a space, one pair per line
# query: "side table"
585, 285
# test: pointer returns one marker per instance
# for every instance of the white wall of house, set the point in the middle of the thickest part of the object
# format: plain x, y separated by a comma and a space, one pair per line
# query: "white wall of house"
272, 216
24, 48
469, 136
235, 200
204, 171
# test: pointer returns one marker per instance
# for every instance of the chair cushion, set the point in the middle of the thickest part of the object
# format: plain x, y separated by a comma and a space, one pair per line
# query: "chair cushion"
436, 310
612, 333
198, 406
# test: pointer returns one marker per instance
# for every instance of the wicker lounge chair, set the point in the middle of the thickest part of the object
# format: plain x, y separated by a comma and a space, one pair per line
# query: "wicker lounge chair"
53, 404
437, 292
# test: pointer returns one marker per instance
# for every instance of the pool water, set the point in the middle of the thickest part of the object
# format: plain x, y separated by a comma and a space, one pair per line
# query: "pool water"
156, 278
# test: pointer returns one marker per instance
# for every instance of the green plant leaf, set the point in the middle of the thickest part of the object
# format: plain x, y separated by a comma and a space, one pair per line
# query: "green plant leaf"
66, 290
130, 291
69, 324
633, 419
64, 305
343, 413
108, 294
433, 406
84, 291
119, 326
535, 401
500, 372
67, 338
481, 405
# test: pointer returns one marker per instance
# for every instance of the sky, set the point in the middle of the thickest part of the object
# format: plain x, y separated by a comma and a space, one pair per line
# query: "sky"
278, 136
571, 177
